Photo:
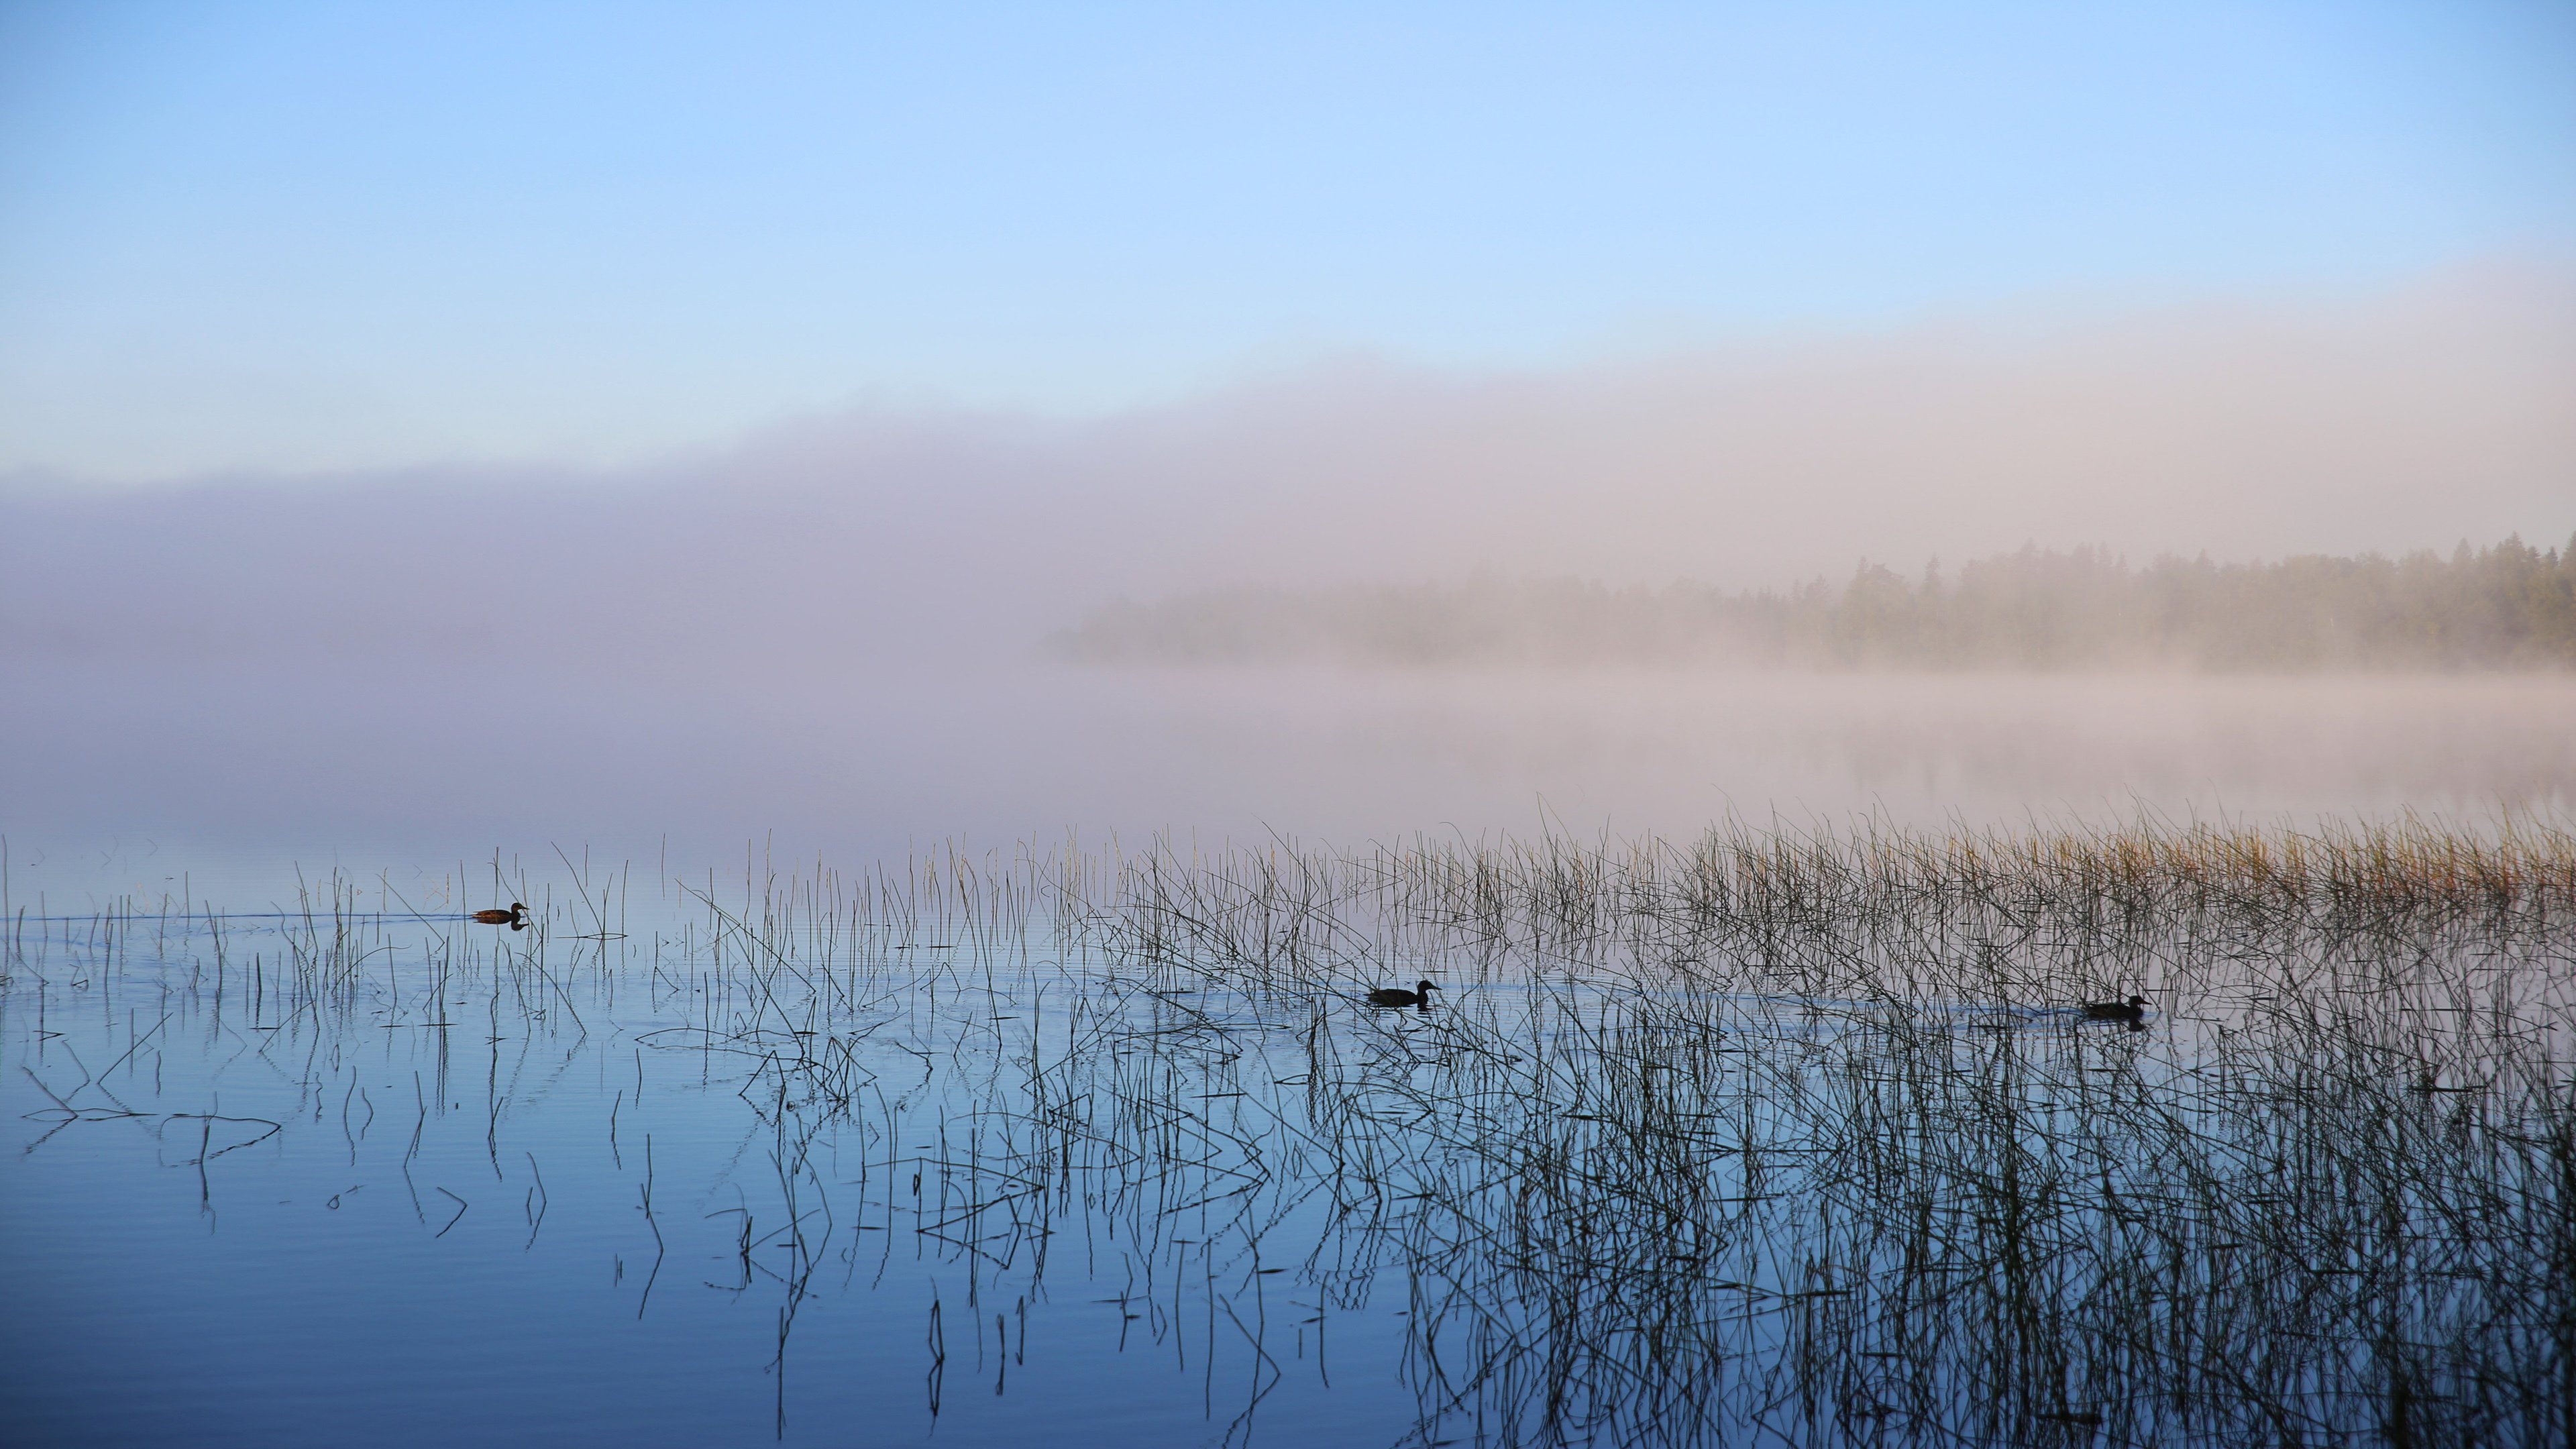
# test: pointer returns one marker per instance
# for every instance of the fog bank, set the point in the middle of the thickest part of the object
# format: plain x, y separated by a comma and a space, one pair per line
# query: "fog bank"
829, 631
2402, 421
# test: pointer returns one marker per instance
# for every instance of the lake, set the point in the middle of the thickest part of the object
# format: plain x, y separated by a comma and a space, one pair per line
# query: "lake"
1796, 1131
124, 776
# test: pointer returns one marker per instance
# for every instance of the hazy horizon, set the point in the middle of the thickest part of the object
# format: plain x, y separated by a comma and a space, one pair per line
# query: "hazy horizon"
828, 631
407, 415
2414, 419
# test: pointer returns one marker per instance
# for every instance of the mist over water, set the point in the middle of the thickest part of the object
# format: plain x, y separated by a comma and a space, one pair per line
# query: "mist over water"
891, 982
826, 636
421, 766
2412, 419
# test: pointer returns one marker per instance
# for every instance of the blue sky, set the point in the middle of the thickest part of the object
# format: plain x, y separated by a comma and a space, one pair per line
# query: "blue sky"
296, 236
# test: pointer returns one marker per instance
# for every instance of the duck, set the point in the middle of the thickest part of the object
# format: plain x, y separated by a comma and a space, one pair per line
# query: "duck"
1419, 996
516, 917
2129, 1010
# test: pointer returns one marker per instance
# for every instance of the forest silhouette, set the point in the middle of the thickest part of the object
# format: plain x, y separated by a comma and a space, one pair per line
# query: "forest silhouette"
2506, 607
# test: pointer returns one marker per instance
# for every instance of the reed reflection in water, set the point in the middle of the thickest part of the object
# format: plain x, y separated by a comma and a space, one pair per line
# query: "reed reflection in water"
1764, 1136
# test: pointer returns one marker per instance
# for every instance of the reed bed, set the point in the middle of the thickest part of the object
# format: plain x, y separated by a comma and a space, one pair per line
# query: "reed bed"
1778, 1135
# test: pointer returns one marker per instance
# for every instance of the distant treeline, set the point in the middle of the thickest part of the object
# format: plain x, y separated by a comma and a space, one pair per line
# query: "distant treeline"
2507, 607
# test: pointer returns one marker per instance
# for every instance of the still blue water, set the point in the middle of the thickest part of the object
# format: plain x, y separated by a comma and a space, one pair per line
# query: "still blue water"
415, 1212
931, 1164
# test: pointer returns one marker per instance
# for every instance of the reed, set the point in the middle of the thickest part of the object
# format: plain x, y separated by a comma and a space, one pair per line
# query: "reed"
1776, 1134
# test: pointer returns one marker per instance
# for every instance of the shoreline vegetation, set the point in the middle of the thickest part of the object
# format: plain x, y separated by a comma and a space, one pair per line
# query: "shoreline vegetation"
2506, 607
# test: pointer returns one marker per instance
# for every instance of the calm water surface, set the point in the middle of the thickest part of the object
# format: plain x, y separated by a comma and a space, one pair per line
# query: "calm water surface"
124, 777
995, 1153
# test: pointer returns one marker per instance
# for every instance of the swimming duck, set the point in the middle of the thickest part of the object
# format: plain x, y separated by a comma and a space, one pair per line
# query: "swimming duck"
1420, 995
2129, 1010
516, 917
